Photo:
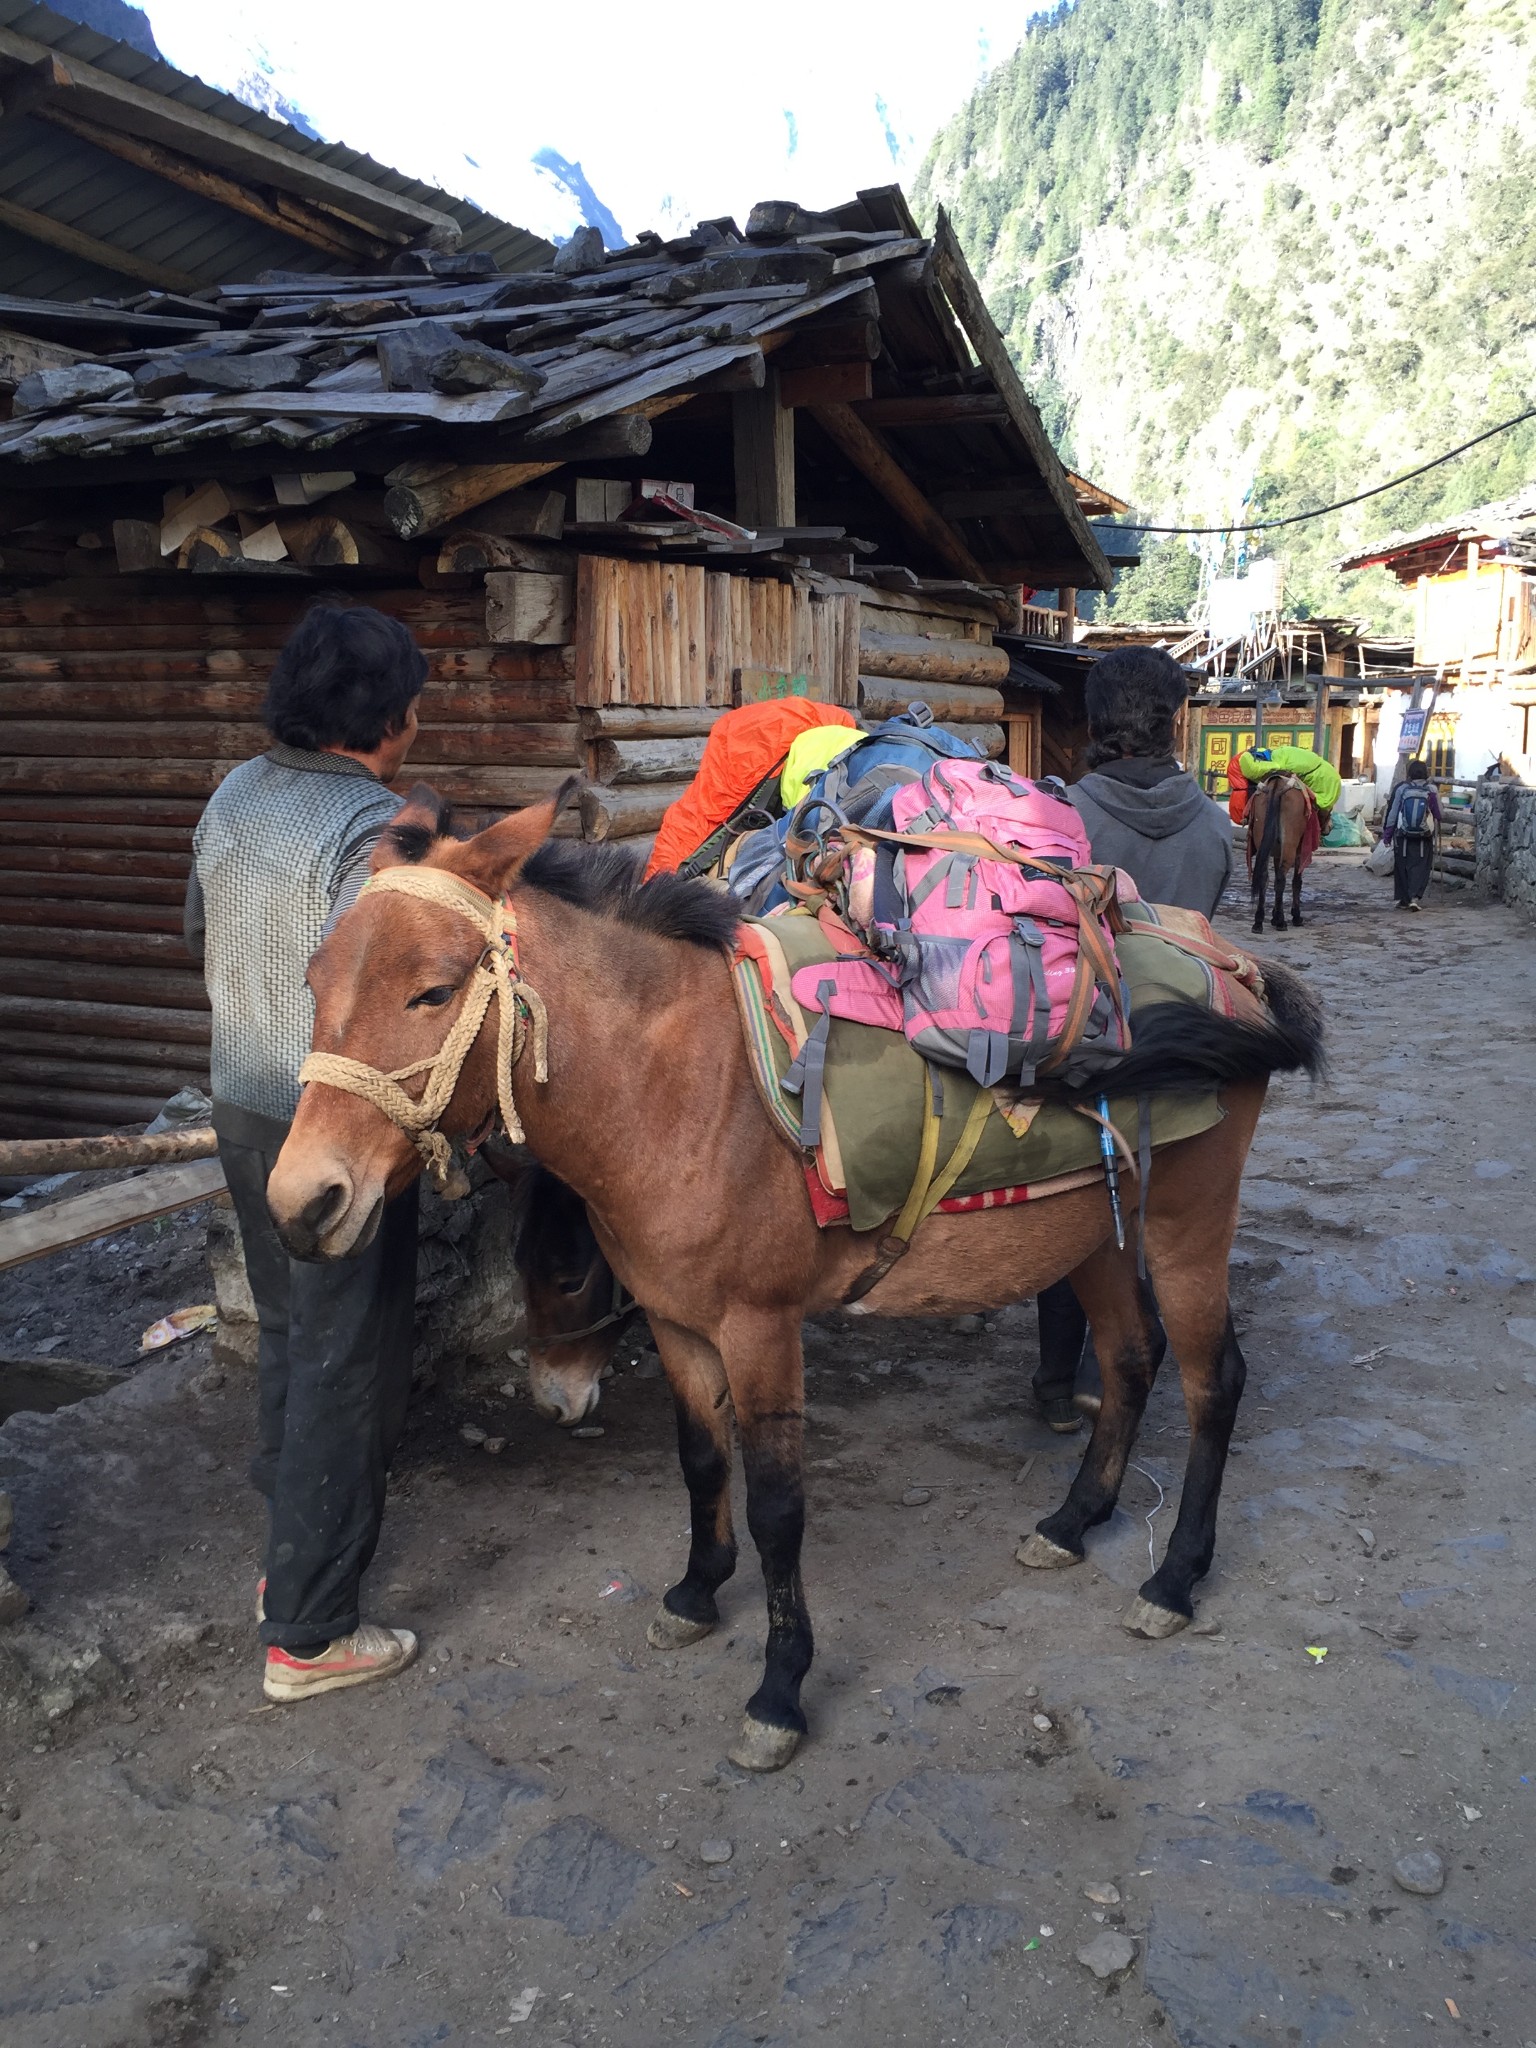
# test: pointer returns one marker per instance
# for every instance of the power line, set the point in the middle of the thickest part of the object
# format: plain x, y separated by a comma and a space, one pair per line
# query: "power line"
1299, 518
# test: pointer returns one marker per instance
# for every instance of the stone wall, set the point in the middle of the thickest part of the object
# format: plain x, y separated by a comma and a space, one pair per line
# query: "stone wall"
469, 1307
1506, 843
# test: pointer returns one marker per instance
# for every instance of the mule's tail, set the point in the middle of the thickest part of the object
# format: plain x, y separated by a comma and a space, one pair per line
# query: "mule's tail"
1265, 852
1183, 1046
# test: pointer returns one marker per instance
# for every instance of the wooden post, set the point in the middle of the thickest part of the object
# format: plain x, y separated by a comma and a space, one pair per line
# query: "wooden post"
763, 429
1066, 599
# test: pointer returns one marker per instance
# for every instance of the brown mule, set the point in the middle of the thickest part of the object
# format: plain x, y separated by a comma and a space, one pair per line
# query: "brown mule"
638, 1094
1279, 811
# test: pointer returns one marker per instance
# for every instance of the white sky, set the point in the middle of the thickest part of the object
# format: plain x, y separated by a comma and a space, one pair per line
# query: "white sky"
673, 114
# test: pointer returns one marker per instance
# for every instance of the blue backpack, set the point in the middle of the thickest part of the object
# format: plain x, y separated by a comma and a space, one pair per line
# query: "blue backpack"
1415, 820
860, 784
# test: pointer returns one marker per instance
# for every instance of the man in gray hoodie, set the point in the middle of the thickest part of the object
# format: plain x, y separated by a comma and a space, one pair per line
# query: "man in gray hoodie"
1146, 814
1143, 812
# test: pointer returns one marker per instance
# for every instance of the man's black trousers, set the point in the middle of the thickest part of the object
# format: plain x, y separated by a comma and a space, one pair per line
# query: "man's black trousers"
334, 1377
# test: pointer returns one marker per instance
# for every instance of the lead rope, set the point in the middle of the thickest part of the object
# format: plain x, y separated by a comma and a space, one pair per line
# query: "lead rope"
521, 1017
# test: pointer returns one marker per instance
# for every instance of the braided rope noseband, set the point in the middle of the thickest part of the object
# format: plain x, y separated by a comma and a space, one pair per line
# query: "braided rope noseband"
521, 1015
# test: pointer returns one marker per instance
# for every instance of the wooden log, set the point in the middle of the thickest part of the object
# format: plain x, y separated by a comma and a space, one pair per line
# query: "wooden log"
429, 507
95, 865
625, 813
914, 659
45, 942
98, 1155
93, 778
642, 722
469, 551
548, 746
71, 1107
883, 697
44, 913
103, 984
117, 1020
136, 543
504, 788
107, 892
870, 456
644, 760
179, 1059
101, 1212
164, 813
529, 609
190, 741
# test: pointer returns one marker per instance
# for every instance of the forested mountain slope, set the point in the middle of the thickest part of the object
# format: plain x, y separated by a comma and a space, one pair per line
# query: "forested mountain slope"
1271, 250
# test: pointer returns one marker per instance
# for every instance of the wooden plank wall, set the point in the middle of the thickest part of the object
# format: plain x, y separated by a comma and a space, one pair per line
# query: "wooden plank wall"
671, 635
122, 706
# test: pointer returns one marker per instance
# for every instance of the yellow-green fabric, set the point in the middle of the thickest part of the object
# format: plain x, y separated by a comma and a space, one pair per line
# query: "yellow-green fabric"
810, 753
1320, 776
873, 1085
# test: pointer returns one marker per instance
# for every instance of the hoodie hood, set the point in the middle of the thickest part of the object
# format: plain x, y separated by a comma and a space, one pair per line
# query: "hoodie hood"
1158, 812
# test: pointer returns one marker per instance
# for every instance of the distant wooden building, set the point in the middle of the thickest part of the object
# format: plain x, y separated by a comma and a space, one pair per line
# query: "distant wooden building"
1473, 577
611, 496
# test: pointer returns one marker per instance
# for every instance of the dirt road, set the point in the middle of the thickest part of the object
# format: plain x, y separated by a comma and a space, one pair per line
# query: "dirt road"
509, 1843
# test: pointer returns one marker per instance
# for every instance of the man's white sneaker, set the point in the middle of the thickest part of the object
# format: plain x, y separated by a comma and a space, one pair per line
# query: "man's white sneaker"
370, 1653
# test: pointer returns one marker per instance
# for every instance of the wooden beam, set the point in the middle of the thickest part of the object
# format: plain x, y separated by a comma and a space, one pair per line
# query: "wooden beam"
954, 409
914, 658
427, 506
826, 384
41, 227
104, 1211
964, 295
115, 103
1001, 503
763, 437
870, 456
284, 213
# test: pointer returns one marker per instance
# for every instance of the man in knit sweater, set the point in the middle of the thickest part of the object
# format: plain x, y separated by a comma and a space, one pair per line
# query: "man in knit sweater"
281, 850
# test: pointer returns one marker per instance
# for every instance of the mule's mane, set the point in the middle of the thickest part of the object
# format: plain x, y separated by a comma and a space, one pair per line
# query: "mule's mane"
607, 881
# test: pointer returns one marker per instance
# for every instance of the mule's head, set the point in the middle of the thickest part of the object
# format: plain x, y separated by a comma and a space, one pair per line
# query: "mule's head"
388, 985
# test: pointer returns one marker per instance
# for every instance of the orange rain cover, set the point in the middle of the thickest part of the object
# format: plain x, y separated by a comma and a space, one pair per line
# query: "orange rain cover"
745, 746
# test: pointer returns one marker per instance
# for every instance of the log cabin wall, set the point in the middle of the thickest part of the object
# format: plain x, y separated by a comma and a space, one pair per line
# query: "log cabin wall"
120, 712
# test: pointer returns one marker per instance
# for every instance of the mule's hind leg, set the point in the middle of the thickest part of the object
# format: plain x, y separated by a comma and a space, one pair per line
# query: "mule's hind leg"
1130, 1349
763, 1358
1192, 1212
1296, 896
699, 1391
1278, 919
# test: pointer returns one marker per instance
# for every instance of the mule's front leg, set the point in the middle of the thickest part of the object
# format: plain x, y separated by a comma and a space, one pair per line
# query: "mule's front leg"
1130, 1348
702, 1399
1213, 1386
768, 1386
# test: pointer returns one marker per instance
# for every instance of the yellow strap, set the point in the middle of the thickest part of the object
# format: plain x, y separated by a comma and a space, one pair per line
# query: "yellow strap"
928, 1189
927, 1157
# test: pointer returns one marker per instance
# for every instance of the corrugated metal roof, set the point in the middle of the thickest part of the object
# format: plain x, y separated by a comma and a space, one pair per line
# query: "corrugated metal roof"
48, 170
1508, 519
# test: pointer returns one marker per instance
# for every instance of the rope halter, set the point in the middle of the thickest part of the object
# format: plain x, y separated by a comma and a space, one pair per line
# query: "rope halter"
521, 1015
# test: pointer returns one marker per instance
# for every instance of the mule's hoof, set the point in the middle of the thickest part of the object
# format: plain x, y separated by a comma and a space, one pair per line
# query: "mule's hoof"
669, 1631
762, 1747
1042, 1555
1143, 1619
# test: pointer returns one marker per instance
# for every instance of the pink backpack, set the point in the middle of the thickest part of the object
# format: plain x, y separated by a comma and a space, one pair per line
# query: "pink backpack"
989, 931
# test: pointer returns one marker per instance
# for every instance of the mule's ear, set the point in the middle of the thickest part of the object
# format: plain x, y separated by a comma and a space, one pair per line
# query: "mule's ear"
491, 860
413, 831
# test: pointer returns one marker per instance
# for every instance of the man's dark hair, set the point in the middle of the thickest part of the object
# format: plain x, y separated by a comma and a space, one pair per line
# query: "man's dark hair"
1133, 697
1418, 771
346, 678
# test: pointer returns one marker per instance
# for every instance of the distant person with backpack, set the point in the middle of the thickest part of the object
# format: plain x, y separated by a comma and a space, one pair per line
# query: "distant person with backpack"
1412, 820
1148, 815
